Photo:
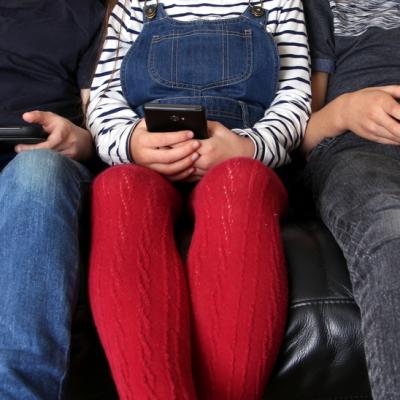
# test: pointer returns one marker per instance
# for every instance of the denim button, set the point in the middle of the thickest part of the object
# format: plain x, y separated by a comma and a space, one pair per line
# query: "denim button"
257, 11
150, 12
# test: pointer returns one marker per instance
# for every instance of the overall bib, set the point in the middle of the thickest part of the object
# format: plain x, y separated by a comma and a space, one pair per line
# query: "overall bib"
230, 66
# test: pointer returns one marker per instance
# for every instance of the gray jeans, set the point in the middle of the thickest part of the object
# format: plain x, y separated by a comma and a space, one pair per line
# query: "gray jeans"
356, 186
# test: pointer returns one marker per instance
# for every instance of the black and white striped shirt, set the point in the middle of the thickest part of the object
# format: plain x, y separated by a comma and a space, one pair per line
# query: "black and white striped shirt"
282, 127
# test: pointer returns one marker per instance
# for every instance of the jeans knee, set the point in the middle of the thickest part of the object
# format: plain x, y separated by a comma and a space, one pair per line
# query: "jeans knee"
371, 243
39, 173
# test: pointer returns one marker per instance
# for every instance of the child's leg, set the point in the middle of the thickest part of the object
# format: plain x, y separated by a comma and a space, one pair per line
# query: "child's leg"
138, 291
356, 183
237, 279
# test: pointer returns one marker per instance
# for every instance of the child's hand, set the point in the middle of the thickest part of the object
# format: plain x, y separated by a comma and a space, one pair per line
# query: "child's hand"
374, 114
222, 145
64, 137
169, 153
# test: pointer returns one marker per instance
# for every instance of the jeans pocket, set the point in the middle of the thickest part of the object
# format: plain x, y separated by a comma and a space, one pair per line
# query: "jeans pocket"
182, 60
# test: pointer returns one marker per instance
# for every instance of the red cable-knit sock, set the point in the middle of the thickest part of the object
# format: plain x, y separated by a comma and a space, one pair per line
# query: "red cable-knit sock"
138, 290
237, 279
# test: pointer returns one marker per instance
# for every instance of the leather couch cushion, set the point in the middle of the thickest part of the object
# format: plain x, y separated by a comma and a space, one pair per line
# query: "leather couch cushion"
322, 356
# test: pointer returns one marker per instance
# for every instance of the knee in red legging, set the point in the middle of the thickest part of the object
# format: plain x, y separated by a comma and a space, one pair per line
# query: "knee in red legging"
129, 187
238, 181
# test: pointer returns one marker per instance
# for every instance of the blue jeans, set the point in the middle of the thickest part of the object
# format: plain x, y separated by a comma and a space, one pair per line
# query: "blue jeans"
40, 200
356, 185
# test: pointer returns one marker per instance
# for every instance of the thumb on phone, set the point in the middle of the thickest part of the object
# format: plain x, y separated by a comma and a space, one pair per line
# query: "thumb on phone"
44, 118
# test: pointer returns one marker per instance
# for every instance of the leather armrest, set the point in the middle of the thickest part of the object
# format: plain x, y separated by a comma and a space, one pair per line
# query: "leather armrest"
322, 356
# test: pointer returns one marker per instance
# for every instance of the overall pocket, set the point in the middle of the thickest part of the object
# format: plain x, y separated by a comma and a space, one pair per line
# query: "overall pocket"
182, 60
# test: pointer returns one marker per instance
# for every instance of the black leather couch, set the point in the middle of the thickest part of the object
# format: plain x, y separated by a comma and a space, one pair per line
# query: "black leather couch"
322, 356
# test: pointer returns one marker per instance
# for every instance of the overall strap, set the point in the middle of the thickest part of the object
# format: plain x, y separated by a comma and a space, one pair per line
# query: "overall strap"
257, 13
153, 11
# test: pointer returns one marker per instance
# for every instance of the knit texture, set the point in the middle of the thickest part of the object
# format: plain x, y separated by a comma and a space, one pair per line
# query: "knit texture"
231, 318
237, 278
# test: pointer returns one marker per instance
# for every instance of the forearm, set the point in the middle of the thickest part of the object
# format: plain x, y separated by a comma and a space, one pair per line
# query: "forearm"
329, 121
85, 145
282, 127
280, 130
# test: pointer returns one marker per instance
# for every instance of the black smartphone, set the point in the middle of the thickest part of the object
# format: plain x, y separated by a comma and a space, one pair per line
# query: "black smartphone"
29, 134
176, 117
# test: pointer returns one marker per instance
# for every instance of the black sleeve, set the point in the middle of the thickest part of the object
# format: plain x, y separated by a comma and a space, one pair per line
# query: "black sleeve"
319, 19
87, 62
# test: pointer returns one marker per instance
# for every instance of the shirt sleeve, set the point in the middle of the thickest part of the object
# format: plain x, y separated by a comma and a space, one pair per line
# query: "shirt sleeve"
319, 19
87, 63
92, 29
109, 117
283, 125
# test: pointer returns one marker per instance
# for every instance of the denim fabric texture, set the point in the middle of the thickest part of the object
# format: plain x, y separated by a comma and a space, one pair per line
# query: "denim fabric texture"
356, 185
40, 199
231, 66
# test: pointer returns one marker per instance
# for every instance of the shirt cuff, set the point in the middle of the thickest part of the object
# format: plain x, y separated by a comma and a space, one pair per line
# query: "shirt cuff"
323, 65
128, 141
122, 153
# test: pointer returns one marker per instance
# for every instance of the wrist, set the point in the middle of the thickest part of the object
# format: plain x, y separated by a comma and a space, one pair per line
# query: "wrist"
248, 147
341, 117
86, 147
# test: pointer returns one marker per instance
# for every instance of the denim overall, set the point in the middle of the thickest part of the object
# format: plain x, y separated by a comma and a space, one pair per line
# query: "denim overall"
231, 66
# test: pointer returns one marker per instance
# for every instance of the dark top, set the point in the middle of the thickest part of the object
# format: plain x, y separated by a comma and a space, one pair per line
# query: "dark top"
47, 53
357, 42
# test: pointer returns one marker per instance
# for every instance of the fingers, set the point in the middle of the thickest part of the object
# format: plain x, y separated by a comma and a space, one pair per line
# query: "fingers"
159, 148
212, 127
176, 167
382, 140
25, 147
393, 109
387, 127
393, 90
383, 136
177, 145
43, 118
170, 155
182, 176
53, 142
165, 139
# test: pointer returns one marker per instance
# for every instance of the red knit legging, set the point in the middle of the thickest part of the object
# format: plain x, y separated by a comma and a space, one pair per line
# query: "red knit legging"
224, 312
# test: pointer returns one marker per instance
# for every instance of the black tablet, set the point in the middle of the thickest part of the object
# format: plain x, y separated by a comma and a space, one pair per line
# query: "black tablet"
29, 134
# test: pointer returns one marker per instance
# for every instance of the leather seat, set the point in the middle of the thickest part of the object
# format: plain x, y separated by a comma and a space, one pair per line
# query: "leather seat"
322, 355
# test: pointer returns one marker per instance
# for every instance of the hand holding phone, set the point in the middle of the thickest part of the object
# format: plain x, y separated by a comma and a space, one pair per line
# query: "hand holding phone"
176, 117
171, 154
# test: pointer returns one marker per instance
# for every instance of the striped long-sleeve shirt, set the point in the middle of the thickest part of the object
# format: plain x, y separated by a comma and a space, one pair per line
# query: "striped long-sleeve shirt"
275, 135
